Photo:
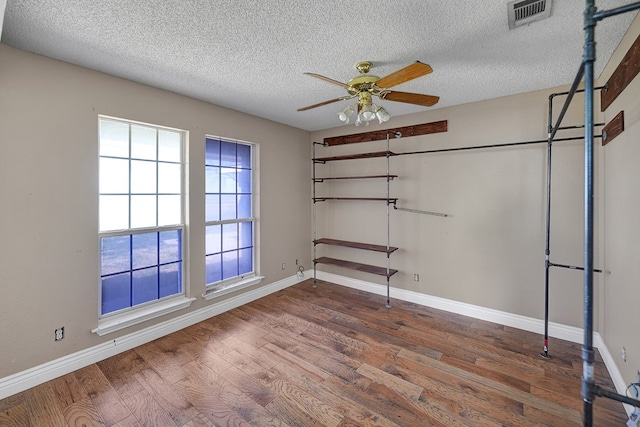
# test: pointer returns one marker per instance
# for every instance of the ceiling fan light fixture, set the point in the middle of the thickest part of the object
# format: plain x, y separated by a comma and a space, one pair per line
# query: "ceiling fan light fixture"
366, 113
345, 115
361, 122
382, 115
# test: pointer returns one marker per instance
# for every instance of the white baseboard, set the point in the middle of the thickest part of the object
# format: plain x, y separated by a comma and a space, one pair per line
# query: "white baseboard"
47, 371
556, 330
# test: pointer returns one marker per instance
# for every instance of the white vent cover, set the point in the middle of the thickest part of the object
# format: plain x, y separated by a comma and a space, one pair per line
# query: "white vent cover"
526, 11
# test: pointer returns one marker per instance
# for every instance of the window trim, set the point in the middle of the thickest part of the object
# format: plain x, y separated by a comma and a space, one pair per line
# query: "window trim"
226, 286
128, 316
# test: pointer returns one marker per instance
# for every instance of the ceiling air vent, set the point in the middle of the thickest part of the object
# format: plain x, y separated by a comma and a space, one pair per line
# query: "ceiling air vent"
526, 11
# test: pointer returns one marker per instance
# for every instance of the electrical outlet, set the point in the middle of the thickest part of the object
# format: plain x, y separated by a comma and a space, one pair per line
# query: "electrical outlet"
416, 277
623, 354
283, 266
59, 334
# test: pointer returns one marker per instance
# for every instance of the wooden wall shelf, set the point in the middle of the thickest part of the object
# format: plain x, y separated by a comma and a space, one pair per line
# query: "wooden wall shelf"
374, 199
356, 245
354, 177
354, 156
366, 268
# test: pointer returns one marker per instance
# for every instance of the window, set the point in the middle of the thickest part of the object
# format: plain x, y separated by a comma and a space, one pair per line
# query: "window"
141, 214
229, 214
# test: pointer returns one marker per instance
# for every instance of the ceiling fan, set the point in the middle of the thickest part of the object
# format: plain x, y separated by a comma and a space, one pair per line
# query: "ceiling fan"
365, 86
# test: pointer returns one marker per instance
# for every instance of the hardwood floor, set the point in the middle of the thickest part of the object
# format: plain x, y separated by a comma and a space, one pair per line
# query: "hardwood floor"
330, 356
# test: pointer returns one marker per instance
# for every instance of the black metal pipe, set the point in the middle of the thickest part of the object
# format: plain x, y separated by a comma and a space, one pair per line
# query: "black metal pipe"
572, 267
588, 377
577, 91
567, 102
547, 250
478, 147
599, 16
618, 397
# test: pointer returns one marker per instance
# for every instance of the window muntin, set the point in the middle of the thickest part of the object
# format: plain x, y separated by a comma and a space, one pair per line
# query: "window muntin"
141, 214
228, 212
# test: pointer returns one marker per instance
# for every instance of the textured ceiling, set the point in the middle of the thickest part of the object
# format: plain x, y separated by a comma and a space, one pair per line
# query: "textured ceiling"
250, 55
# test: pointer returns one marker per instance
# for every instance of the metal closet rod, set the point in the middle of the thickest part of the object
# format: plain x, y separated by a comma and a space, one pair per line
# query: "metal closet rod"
419, 211
478, 147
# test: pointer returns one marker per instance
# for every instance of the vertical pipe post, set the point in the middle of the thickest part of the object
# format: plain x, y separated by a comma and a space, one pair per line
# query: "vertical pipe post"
388, 304
315, 276
547, 251
588, 378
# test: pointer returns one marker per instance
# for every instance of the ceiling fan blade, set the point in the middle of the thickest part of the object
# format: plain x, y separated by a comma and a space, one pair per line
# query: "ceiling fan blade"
410, 98
323, 103
403, 75
327, 79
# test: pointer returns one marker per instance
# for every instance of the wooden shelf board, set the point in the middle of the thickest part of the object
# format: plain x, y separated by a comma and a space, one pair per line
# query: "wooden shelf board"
377, 199
354, 156
356, 245
366, 268
354, 177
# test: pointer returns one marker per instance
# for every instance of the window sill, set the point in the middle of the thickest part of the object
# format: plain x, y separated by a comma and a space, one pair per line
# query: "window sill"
121, 321
236, 286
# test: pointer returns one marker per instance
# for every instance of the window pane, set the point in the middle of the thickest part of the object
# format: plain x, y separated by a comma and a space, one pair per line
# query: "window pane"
229, 264
213, 239
114, 175
245, 261
169, 212
169, 145
170, 279
169, 178
212, 183
114, 212
114, 139
212, 208
244, 156
143, 177
229, 237
170, 246
144, 250
143, 211
244, 206
116, 292
212, 152
244, 181
228, 180
114, 252
245, 237
145, 285
214, 268
228, 207
143, 142
227, 154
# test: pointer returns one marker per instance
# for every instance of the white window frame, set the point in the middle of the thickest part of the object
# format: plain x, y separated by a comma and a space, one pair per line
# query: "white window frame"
119, 319
233, 284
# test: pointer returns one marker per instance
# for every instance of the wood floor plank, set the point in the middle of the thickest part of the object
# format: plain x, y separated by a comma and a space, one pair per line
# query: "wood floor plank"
147, 411
178, 408
82, 413
326, 356
43, 407
107, 401
208, 403
15, 416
